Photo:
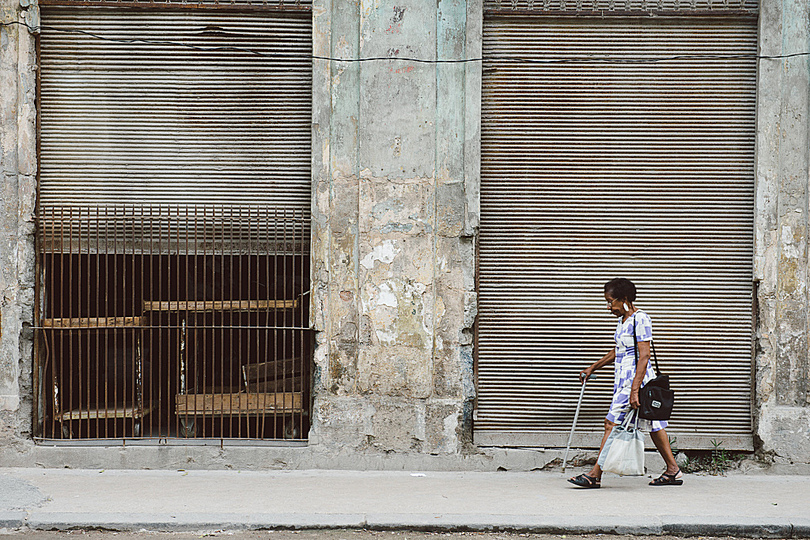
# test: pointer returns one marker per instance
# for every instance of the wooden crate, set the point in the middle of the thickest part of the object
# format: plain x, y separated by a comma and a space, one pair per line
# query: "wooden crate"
238, 403
290, 384
109, 413
274, 369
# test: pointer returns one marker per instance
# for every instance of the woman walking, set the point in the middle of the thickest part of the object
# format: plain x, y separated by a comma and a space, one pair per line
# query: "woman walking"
629, 377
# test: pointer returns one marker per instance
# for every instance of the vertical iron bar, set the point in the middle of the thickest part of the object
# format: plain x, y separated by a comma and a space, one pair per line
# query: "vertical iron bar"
70, 370
288, 260
222, 322
137, 412
52, 311
231, 314
39, 334
297, 352
59, 355
80, 331
156, 275
270, 286
93, 271
276, 359
105, 310
149, 316
302, 296
137, 308
252, 223
205, 297
198, 360
245, 333
180, 359
88, 311
55, 353
156, 335
241, 315
191, 320
98, 310
114, 313
173, 316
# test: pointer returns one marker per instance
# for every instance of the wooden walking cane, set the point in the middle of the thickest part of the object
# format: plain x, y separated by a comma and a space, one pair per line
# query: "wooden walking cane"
576, 415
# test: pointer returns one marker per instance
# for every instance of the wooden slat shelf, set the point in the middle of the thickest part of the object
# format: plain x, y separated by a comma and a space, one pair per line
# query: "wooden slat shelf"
219, 305
121, 411
94, 322
238, 403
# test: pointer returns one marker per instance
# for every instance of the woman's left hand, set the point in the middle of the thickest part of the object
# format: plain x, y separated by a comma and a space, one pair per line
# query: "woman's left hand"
634, 402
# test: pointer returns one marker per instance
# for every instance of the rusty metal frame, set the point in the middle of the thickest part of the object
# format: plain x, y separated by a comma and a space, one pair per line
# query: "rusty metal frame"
277, 6
106, 315
622, 8
602, 14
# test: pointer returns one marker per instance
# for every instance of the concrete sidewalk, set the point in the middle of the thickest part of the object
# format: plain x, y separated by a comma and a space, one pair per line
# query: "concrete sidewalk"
740, 505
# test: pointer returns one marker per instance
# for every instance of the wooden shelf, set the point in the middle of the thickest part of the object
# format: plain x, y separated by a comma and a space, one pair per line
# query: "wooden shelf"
219, 305
95, 322
121, 411
238, 403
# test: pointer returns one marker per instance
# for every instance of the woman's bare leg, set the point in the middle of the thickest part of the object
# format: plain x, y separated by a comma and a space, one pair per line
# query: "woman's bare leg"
661, 441
596, 472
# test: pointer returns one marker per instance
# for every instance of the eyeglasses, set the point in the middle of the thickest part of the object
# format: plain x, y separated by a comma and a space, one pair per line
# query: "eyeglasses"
610, 303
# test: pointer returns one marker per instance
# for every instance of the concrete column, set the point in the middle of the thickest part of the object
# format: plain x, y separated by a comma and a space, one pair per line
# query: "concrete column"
783, 175
18, 165
393, 256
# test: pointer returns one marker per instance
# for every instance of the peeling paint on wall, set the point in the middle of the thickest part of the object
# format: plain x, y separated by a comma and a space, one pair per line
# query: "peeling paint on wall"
384, 253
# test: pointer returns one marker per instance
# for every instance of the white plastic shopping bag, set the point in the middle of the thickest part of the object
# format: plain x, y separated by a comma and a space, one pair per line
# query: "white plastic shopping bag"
624, 450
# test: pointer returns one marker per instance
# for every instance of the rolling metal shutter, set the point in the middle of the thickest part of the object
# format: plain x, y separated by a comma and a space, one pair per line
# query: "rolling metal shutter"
596, 165
224, 117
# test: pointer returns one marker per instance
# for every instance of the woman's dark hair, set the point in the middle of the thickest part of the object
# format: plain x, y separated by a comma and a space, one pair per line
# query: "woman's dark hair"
621, 289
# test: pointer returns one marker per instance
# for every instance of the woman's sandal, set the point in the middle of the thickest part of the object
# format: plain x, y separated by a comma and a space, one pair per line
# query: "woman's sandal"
585, 481
668, 479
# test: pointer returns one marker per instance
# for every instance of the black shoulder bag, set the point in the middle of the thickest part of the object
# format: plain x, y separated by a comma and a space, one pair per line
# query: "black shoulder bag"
655, 398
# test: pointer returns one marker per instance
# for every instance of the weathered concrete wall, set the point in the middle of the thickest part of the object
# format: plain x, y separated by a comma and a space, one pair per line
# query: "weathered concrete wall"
783, 174
18, 164
393, 255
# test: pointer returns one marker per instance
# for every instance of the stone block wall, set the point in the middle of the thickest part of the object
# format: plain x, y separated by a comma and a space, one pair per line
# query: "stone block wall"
782, 368
18, 164
393, 253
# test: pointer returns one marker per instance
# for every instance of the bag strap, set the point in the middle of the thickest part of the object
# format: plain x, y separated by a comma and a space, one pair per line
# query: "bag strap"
652, 346
630, 420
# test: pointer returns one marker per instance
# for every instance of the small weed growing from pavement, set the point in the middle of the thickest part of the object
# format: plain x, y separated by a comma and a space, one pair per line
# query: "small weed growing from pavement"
716, 461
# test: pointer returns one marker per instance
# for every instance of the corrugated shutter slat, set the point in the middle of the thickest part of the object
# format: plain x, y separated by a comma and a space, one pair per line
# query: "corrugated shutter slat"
604, 168
158, 123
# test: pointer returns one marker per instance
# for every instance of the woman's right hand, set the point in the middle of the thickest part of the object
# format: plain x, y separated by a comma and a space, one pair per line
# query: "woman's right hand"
585, 374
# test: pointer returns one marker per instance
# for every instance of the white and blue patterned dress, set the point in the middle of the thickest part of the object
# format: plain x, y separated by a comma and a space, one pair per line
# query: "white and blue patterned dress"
625, 368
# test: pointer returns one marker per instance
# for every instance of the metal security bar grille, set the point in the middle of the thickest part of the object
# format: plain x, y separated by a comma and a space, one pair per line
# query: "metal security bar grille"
213, 107
173, 322
619, 7
605, 168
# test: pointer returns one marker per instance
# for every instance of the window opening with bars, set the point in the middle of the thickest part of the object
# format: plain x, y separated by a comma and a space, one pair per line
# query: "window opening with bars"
173, 322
